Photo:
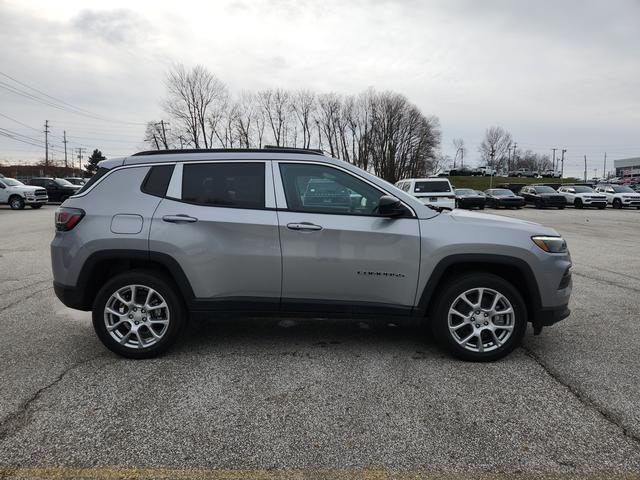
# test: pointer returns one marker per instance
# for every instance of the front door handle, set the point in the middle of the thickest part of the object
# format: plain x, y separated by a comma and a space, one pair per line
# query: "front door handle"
304, 226
180, 218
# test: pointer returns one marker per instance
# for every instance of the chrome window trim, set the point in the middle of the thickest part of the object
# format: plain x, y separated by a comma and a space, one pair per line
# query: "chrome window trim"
281, 198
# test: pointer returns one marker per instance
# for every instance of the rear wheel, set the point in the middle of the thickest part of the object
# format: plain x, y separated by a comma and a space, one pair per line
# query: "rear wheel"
479, 317
16, 202
138, 314
617, 203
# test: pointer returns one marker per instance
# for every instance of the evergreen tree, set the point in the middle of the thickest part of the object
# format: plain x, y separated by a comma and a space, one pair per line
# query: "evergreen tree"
92, 165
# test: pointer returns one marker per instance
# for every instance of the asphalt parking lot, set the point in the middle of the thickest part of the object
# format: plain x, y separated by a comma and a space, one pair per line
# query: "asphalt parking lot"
311, 399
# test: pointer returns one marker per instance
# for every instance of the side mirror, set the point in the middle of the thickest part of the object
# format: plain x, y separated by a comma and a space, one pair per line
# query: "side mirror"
390, 206
2, 185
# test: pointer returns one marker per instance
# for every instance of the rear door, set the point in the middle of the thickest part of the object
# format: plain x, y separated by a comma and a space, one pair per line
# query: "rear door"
219, 223
338, 255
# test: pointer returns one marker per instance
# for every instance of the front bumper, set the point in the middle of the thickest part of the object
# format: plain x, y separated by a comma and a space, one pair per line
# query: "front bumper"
545, 317
36, 200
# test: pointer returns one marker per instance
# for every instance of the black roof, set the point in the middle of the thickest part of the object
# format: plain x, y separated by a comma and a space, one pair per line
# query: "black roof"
266, 148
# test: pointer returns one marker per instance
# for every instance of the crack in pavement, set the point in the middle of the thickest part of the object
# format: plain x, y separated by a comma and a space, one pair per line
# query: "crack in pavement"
607, 282
583, 398
16, 421
48, 280
27, 297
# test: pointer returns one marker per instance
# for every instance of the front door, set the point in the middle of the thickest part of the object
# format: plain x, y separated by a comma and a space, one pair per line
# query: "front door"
338, 254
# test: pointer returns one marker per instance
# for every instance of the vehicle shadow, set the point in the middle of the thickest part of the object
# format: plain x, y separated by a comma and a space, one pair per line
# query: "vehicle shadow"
282, 335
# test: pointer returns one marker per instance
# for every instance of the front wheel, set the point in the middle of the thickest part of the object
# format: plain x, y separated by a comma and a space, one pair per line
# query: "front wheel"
16, 203
577, 203
617, 203
479, 317
138, 314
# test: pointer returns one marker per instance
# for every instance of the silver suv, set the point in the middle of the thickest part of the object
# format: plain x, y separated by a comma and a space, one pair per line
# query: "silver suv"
160, 237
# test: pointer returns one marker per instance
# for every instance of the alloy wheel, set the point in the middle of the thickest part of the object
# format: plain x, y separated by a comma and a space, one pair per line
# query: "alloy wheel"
481, 320
136, 316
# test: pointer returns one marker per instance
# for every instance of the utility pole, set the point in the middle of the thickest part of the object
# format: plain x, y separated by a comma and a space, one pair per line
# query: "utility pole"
553, 162
80, 149
46, 146
493, 154
604, 170
564, 150
513, 161
64, 134
162, 123
585, 168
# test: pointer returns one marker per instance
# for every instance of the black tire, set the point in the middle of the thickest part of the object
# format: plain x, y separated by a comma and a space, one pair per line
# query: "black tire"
482, 207
538, 204
161, 284
35, 207
602, 207
16, 202
561, 207
449, 293
578, 203
617, 203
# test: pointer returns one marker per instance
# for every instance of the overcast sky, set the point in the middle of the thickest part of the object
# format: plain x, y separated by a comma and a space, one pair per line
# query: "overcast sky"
558, 73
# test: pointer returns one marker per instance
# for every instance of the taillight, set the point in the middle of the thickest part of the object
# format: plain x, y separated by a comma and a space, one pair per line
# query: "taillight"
67, 218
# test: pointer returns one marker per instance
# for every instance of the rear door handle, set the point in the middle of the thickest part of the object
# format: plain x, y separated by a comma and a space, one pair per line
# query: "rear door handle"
304, 226
180, 218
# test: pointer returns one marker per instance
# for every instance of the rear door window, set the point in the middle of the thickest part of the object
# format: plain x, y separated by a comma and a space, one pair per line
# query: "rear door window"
237, 184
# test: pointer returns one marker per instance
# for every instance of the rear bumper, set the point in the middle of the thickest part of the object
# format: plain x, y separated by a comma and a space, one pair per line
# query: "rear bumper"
71, 297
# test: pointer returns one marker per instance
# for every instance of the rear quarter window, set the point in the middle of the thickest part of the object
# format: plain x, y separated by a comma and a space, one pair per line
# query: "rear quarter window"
97, 176
157, 180
437, 187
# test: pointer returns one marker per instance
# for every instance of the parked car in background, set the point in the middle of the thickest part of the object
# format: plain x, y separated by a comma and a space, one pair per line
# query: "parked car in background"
76, 180
503, 197
551, 174
583, 196
58, 189
16, 194
487, 171
619, 196
523, 172
460, 172
469, 199
162, 236
437, 192
543, 196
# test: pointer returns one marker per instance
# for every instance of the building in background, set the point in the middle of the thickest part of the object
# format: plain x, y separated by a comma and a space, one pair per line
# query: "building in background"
627, 168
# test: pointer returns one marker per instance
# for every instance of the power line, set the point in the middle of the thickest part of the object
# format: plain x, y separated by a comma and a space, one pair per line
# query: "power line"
56, 102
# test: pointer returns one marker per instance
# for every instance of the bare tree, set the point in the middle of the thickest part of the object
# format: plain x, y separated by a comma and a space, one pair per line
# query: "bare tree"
461, 150
275, 105
494, 149
303, 104
192, 97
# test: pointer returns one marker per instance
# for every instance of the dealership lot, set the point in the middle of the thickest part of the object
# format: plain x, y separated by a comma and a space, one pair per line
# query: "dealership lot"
313, 396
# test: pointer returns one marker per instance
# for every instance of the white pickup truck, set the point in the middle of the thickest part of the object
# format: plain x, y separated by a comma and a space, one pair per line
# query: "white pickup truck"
17, 194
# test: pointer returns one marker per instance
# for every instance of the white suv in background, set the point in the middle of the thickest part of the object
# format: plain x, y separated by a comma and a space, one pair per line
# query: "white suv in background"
16, 194
436, 192
583, 196
619, 196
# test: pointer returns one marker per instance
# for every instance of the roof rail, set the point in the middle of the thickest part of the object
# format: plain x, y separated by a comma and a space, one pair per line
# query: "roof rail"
268, 148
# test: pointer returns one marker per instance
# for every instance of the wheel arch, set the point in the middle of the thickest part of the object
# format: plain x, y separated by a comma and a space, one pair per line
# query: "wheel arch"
101, 266
512, 269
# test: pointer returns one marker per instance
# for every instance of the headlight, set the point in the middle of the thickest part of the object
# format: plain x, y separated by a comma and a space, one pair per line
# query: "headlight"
550, 244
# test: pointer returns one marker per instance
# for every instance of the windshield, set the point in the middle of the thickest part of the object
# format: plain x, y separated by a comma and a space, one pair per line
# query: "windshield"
465, 191
11, 182
63, 183
502, 192
580, 189
623, 189
435, 186
544, 190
